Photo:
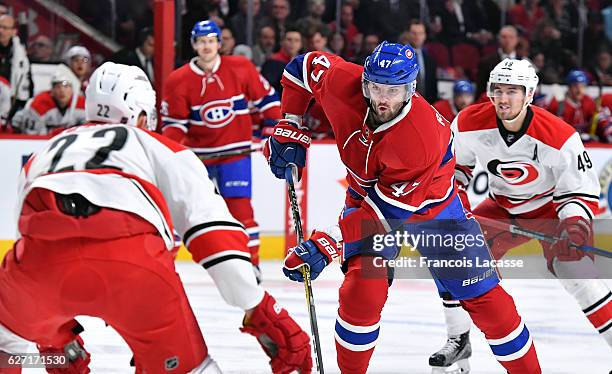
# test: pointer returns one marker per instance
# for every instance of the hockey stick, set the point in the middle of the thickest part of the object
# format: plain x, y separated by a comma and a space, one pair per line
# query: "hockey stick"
515, 229
290, 173
234, 152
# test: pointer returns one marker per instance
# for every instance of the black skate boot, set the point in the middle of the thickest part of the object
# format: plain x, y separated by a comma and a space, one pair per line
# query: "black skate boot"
453, 357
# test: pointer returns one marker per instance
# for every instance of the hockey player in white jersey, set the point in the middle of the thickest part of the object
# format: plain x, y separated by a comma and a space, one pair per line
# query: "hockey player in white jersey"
541, 177
97, 209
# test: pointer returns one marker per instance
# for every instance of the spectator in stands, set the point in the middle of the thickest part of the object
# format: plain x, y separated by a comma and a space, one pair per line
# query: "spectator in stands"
564, 15
14, 64
463, 95
40, 49
238, 22
5, 103
348, 30
547, 39
3, 8
370, 41
508, 41
227, 42
78, 59
313, 21
264, 47
525, 15
280, 12
427, 81
317, 41
141, 56
602, 68
577, 108
52, 111
546, 73
273, 68
595, 36
336, 44
386, 17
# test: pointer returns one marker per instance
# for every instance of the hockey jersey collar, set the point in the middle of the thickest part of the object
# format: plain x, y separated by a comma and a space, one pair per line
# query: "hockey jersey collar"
399, 117
511, 137
196, 69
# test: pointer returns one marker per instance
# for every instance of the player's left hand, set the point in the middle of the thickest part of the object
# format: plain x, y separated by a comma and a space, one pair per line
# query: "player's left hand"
316, 253
572, 230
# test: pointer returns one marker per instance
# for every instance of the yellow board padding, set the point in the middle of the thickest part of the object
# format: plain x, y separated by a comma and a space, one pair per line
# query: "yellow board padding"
273, 248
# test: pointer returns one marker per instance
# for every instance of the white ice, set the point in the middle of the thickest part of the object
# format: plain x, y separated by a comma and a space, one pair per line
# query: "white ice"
412, 327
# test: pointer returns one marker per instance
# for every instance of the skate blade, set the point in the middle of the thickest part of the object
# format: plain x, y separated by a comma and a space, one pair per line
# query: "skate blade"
459, 367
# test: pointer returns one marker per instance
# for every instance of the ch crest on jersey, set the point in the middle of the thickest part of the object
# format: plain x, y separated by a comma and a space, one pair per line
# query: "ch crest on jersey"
516, 173
218, 113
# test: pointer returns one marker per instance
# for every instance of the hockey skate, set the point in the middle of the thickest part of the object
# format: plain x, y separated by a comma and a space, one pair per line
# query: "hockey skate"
453, 357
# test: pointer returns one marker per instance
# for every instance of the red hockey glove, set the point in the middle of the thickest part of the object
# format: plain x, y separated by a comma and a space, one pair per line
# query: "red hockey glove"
286, 146
287, 345
78, 357
576, 230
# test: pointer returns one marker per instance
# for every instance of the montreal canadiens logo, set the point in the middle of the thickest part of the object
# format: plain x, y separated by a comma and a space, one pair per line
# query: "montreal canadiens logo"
408, 53
516, 173
216, 114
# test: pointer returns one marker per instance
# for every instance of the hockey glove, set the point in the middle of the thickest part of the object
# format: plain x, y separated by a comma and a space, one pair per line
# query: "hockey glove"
287, 345
573, 230
78, 358
316, 253
286, 146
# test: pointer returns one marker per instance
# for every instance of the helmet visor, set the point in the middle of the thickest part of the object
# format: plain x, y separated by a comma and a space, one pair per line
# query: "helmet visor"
387, 92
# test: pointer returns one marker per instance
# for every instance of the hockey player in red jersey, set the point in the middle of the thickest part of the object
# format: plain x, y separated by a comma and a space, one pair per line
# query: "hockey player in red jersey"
98, 206
540, 177
205, 107
398, 152
578, 108
463, 96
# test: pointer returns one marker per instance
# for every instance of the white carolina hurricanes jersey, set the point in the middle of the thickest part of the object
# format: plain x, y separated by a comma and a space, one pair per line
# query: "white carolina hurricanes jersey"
137, 171
545, 161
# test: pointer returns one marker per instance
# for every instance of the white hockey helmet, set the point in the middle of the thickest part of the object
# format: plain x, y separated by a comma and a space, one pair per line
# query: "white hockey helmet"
119, 94
518, 72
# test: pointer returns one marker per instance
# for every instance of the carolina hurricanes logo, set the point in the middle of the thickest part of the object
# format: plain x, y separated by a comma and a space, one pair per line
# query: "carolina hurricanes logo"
216, 114
408, 53
515, 173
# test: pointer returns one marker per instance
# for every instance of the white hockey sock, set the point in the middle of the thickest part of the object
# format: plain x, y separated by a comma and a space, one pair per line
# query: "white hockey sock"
236, 283
457, 319
593, 295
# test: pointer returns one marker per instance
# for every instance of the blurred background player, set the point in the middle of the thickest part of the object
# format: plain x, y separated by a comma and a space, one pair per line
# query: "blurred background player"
14, 64
206, 108
463, 95
50, 112
578, 108
540, 177
399, 155
73, 258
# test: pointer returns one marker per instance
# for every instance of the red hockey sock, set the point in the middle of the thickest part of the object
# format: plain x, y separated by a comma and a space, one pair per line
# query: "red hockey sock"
241, 209
362, 298
495, 315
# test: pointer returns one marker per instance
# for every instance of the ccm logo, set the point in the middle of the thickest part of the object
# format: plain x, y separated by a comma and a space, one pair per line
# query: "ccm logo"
294, 135
329, 248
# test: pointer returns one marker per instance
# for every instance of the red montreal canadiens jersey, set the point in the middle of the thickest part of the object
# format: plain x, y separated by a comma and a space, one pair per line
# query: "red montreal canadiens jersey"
579, 115
210, 111
125, 168
546, 163
402, 169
